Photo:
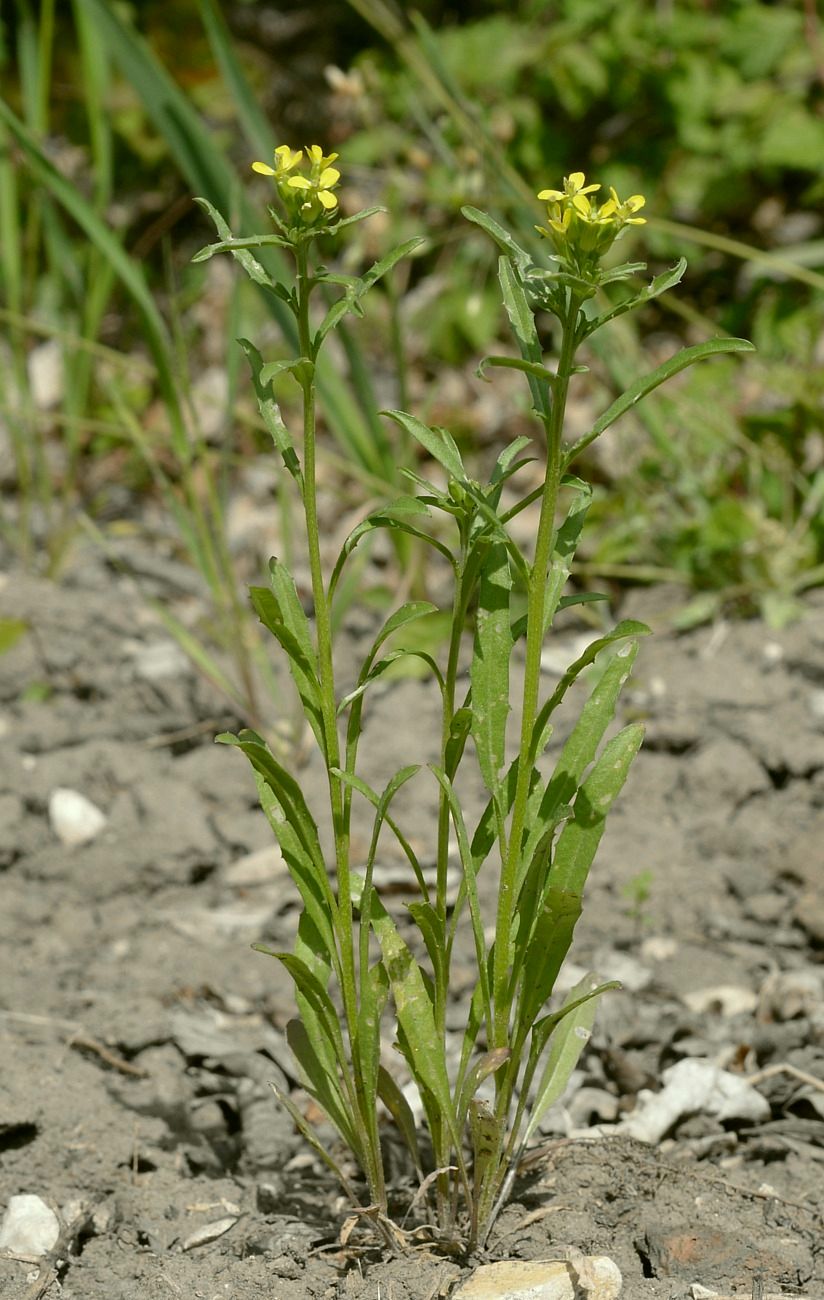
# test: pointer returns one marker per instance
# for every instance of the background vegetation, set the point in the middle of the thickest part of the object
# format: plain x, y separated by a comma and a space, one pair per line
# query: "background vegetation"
125, 405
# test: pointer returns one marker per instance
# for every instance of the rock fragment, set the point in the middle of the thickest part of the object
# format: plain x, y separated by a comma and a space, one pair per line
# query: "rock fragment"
29, 1227
74, 819
587, 1277
693, 1087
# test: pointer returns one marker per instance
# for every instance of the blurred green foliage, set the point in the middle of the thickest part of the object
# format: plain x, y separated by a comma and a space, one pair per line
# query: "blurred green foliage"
712, 108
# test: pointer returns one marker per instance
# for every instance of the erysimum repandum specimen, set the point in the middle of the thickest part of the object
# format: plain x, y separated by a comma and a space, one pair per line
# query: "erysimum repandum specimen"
361, 972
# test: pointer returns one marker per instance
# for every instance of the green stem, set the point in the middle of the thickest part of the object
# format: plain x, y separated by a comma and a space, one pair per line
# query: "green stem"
532, 672
373, 1167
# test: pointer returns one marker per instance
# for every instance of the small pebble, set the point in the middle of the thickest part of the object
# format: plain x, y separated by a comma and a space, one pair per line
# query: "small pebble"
29, 1227
74, 819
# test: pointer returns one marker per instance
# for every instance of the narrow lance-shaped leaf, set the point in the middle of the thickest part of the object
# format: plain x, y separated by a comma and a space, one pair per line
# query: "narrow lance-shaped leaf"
647, 383
566, 1045
307, 1132
319, 1081
627, 628
660, 284
351, 299
401, 1112
415, 1014
501, 236
270, 412
523, 325
489, 671
578, 751
581, 836
310, 879
438, 442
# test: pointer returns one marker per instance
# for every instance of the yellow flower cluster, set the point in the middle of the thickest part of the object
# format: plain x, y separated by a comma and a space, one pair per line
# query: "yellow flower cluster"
306, 196
579, 228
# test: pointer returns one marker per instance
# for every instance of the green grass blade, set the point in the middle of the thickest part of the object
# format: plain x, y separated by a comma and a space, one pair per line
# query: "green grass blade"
128, 271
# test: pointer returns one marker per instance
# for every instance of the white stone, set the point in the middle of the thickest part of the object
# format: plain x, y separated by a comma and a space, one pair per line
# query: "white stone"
723, 999
45, 371
259, 868
29, 1227
159, 660
693, 1087
589, 1277
74, 819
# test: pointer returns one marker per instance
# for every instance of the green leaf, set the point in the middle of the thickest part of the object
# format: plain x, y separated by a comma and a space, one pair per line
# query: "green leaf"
401, 1112
579, 750
309, 1135
371, 796
481, 1070
433, 933
526, 335
367, 1046
469, 884
571, 1036
549, 943
581, 836
501, 236
11, 630
302, 660
289, 796
312, 884
238, 246
533, 368
310, 987
380, 668
420, 1040
438, 442
319, 1080
660, 284
489, 670
647, 383
301, 367
270, 411
459, 729
487, 1134
626, 629
351, 300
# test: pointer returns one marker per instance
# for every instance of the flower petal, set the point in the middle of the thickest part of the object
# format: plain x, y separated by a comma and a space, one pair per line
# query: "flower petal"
327, 199
299, 183
329, 177
550, 195
263, 168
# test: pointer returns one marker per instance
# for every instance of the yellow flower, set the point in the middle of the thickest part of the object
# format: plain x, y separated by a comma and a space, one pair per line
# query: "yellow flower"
580, 230
628, 208
286, 160
306, 196
573, 187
